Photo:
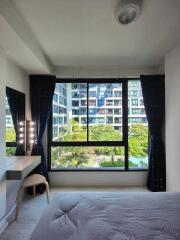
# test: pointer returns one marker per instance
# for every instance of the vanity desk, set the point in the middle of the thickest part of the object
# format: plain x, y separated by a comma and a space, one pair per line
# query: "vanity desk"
18, 167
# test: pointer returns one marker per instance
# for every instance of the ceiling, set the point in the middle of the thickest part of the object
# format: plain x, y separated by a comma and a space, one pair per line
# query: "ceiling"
85, 32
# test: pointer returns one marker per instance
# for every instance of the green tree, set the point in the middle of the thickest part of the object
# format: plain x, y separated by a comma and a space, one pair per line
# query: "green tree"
80, 156
10, 151
74, 133
68, 157
138, 140
71, 156
10, 135
107, 133
76, 158
118, 163
55, 156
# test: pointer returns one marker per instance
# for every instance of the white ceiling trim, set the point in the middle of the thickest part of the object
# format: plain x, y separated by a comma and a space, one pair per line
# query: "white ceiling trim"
106, 71
21, 37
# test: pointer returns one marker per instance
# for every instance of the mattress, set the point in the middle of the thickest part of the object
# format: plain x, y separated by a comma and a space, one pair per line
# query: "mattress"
110, 216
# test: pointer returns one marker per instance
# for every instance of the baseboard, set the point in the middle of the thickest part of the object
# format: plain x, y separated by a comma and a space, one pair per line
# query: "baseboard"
11, 214
7, 218
3, 225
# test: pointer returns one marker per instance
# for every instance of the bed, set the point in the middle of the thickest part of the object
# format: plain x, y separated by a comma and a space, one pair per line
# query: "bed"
110, 216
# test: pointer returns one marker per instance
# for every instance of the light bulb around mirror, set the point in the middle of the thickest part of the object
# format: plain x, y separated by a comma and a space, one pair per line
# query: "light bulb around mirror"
21, 123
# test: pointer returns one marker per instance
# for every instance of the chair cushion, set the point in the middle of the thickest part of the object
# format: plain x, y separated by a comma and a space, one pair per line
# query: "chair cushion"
34, 179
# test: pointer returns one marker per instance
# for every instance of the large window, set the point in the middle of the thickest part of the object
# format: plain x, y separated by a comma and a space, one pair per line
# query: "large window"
92, 127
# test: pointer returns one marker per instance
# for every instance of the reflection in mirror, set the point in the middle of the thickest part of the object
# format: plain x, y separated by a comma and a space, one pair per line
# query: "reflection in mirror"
15, 122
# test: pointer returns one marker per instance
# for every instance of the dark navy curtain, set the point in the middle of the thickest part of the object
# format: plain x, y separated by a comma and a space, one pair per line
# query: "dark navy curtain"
153, 89
16, 101
41, 95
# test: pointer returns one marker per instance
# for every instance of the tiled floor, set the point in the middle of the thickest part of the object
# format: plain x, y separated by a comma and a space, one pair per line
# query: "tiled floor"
32, 208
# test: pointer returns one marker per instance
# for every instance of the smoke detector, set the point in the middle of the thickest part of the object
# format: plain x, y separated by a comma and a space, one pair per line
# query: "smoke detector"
128, 11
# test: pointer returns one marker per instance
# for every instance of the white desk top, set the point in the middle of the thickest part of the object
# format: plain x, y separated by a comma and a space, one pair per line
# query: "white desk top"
18, 167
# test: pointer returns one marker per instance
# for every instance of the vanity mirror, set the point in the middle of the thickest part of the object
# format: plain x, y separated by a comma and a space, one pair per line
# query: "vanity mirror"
15, 122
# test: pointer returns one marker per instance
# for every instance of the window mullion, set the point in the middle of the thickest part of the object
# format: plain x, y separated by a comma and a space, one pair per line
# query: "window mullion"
87, 107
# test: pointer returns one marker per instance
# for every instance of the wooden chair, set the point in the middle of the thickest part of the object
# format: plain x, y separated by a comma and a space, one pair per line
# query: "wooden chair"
31, 181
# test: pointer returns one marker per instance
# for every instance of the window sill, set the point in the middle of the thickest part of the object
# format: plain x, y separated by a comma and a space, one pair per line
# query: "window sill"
97, 170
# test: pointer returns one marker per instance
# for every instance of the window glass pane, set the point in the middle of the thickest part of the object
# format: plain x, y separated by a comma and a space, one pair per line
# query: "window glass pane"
10, 131
10, 151
69, 112
87, 157
138, 127
105, 112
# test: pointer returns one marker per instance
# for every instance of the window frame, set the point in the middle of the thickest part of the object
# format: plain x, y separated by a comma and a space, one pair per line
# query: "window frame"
11, 144
88, 143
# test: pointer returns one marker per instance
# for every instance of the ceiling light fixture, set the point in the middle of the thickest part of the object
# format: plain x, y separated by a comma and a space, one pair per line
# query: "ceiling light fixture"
127, 11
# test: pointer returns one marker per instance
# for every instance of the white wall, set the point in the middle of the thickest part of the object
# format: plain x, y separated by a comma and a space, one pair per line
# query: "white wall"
105, 179
11, 76
172, 72
17, 79
2, 143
